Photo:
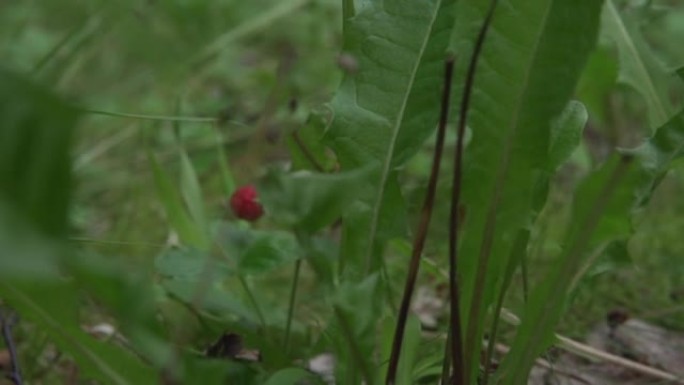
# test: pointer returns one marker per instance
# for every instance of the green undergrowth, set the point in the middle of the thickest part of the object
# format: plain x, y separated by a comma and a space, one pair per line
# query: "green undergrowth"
126, 126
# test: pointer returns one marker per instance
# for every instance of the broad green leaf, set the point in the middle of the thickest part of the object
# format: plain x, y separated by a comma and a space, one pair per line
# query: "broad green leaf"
608, 216
530, 45
189, 231
638, 66
289, 376
386, 110
309, 201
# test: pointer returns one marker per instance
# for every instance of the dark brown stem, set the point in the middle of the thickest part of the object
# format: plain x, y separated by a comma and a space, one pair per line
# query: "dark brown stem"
461, 372
8, 318
424, 224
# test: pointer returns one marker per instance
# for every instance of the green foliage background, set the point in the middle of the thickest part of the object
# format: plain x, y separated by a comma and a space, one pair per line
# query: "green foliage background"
124, 127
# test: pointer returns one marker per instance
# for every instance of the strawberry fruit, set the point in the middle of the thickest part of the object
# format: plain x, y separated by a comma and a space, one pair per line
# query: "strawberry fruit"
245, 204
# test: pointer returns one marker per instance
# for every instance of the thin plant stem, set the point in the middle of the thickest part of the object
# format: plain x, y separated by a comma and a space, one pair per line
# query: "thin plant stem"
306, 152
518, 254
460, 363
7, 319
189, 119
423, 226
253, 300
446, 361
291, 306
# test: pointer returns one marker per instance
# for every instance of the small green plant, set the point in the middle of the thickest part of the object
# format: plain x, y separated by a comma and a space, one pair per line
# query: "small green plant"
311, 280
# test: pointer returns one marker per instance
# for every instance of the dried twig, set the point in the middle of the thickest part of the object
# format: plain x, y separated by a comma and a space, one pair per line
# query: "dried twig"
586, 351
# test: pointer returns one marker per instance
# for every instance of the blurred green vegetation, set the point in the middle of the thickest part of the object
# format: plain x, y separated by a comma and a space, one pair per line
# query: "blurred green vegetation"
260, 68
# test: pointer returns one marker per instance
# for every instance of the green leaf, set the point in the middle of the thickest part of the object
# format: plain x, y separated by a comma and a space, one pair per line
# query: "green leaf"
638, 66
314, 154
35, 183
188, 230
268, 251
309, 201
288, 376
512, 111
130, 297
385, 111
597, 83
36, 130
357, 309
566, 134
565, 138
186, 264
192, 192
409, 350
196, 278
609, 216
39, 293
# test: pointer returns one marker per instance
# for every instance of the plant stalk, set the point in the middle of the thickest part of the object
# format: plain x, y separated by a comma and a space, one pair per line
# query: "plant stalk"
291, 306
7, 320
423, 226
461, 364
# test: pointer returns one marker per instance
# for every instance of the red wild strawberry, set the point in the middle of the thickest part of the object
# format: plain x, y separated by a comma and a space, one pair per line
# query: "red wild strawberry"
245, 204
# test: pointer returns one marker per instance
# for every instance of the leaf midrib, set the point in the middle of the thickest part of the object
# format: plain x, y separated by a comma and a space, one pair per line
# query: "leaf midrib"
387, 163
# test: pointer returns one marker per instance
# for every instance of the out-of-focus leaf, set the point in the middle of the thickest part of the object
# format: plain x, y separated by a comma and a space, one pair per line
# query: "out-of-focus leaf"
130, 297
384, 112
189, 231
192, 192
321, 255
35, 178
186, 264
35, 136
269, 250
409, 350
638, 66
311, 201
357, 309
196, 278
214, 299
511, 114
566, 134
615, 255
636, 180
310, 153
597, 82
288, 376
